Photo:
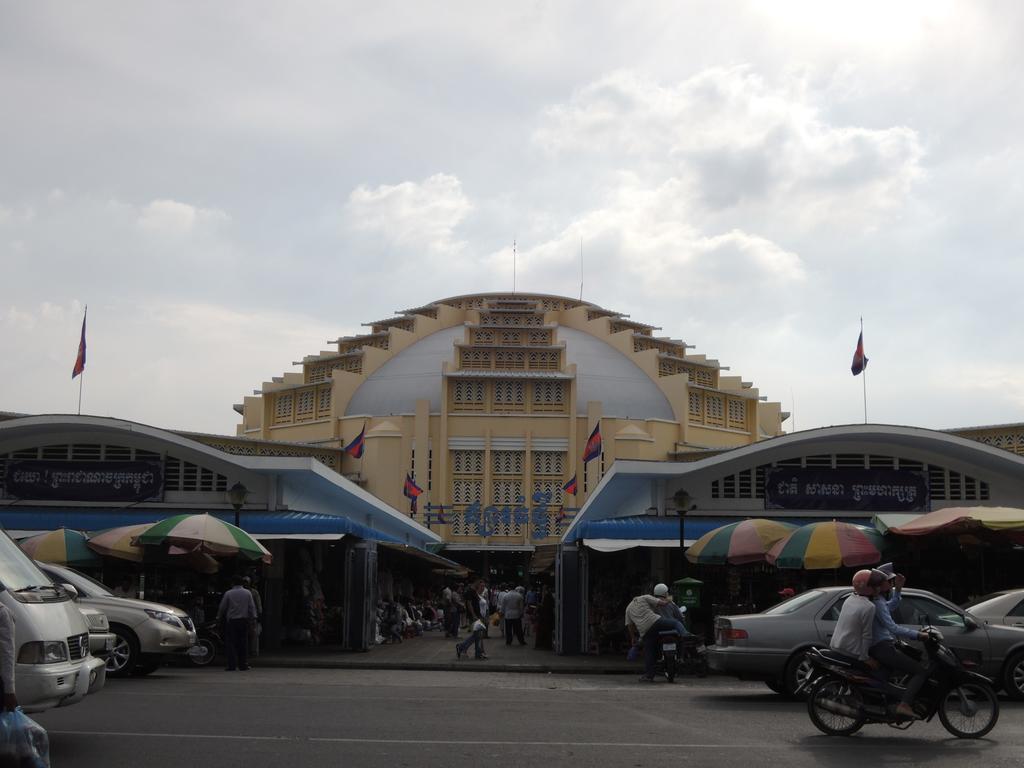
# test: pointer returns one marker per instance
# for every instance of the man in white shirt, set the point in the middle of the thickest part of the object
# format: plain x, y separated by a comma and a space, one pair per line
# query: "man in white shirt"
512, 609
853, 631
236, 614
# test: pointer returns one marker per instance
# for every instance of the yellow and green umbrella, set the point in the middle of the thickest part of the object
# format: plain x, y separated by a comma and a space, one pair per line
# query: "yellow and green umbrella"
828, 545
63, 547
747, 541
204, 533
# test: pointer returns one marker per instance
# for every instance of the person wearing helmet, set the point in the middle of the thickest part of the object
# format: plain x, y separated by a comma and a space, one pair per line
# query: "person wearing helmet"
642, 613
855, 627
884, 633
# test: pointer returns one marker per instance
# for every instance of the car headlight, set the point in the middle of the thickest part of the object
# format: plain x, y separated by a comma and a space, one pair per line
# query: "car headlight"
165, 617
97, 622
43, 652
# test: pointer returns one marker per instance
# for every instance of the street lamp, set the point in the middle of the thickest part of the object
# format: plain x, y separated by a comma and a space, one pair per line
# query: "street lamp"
236, 496
684, 503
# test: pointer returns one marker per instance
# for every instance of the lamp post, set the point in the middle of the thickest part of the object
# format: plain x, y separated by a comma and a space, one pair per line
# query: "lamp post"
236, 496
683, 505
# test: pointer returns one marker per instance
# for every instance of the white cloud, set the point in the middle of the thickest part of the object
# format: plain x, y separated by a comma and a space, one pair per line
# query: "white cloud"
419, 216
169, 217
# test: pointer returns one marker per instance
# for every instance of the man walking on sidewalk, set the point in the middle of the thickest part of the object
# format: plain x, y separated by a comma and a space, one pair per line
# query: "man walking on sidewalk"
236, 613
512, 609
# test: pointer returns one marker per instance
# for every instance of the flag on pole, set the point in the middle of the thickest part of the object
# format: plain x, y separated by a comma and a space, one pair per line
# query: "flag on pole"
355, 448
593, 448
411, 491
80, 360
860, 360
570, 487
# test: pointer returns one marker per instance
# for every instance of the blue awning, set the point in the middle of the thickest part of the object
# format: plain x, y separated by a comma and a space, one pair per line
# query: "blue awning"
259, 524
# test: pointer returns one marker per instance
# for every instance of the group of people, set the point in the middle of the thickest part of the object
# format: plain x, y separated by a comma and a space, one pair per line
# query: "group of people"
867, 632
476, 607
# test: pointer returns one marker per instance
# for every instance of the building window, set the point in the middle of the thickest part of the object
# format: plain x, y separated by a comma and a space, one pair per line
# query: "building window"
283, 408
468, 395
509, 395
549, 396
304, 405
467, 488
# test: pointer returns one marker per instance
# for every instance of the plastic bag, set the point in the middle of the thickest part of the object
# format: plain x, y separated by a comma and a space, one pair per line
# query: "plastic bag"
633, 653
23, 741
495, 619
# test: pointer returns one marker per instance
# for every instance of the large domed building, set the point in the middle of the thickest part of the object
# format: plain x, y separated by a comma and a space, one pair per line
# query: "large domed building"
486, 403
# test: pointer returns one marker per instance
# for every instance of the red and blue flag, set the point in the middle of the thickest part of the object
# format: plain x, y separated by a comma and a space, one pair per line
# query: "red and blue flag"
411, 491
593, 449
80, 360
355, 448
860, 360
570, 487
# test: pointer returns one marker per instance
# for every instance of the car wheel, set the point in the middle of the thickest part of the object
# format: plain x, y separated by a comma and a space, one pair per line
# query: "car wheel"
798, 669
125, 655
1013, 677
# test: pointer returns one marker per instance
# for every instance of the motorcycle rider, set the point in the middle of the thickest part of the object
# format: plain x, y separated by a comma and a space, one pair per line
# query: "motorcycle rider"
642, 612
855, 627
884, 633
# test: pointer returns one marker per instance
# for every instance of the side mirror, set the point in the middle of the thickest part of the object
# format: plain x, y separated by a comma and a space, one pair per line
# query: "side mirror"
70, 589
970, 622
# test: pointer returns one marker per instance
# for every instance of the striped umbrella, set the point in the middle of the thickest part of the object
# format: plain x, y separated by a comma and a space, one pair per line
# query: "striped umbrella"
1006, 521
828, 545
747, 541
118, 542
63, 547
204, 533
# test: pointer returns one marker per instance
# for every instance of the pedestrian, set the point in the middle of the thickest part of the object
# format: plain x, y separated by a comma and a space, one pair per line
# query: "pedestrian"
256, 628
478, 625
236, 613
10, 700
512, 610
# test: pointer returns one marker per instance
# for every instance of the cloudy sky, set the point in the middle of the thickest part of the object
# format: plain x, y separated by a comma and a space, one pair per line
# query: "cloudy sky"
229, 185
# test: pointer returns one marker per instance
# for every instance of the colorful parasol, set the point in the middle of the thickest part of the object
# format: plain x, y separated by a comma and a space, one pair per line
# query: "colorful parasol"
204, 533
117, 542
961, 520
828, 545
747, 541
63, 547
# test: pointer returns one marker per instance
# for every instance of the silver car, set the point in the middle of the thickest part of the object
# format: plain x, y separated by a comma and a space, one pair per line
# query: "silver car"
1005, 608
146, 633
770, 646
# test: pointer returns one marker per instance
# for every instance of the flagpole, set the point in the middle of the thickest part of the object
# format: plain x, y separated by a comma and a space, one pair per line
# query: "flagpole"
81, 377
864, 374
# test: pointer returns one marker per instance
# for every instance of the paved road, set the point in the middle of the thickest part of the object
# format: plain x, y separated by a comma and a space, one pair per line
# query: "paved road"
182, 717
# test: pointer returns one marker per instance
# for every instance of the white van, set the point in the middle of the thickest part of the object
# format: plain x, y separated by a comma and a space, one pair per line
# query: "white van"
53, 666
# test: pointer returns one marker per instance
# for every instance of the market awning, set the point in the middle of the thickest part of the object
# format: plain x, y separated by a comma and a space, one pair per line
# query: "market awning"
262, 525
430, 557
620, 533
883, 522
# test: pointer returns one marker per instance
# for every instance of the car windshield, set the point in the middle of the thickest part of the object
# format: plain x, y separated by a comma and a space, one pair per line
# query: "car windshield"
17, 571
86, 586
794, 603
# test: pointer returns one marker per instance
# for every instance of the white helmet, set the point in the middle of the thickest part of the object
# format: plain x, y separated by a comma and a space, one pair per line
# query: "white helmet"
660, 590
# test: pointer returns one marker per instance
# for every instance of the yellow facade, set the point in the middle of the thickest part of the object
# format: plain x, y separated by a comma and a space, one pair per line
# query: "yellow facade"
490, 398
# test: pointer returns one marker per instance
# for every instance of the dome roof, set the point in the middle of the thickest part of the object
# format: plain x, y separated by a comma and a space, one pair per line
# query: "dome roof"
602, 373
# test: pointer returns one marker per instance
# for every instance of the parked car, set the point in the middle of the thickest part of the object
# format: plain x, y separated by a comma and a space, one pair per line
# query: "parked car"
146, 633
770, 646
101, 639
1006, 607
53, 667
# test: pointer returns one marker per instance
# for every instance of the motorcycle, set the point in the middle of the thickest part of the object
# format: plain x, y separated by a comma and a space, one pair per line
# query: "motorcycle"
208, 644
680, 654
844, 695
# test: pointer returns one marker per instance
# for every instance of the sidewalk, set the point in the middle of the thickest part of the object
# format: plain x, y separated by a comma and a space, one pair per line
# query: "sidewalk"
433, 651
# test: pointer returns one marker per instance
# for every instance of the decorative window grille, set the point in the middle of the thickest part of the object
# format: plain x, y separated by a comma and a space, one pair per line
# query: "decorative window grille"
696, 407
533, 320
549, 396
737, 413
509, 395
86, 452
507, 488
468, 462
283, 408
507, 462
509, 337
539, 337
715, 405
467, 488
476, 358
468, 395
323, 401
305, 403
510, 359
700, 375
58, 452
188, 477
483, 336
549, 463
543, 360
